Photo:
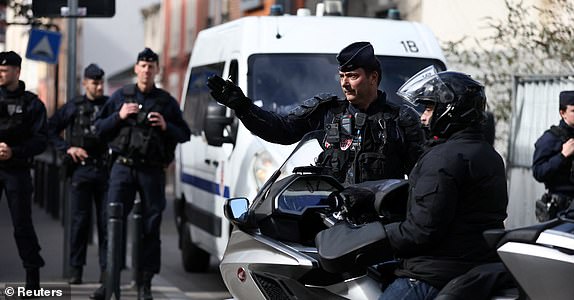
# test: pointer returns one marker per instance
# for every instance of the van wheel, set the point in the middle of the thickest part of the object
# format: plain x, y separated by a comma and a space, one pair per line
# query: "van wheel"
178, 207
194, 258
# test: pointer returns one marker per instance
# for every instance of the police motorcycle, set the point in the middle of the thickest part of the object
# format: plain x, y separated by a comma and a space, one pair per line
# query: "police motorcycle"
272, 252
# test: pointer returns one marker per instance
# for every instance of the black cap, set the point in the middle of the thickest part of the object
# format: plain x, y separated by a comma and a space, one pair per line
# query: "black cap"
566, 98
93, 71
148, 55
358, 55
10, 58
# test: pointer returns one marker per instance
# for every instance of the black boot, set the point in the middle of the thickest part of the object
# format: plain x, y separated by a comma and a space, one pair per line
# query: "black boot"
75, 275
102, 276
99, 294
145, 287
32, 281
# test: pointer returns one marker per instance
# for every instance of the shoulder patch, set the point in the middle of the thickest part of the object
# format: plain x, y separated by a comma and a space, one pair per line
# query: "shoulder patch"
310, 105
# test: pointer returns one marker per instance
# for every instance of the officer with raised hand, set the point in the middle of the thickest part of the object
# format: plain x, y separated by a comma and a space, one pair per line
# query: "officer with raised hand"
86, 161
368, 138
22, 136
143, 124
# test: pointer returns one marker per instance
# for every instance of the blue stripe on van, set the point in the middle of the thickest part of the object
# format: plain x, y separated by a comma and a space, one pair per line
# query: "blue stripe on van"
203, 184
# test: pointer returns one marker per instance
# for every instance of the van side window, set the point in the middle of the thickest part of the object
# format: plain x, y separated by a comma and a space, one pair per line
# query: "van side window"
197, 96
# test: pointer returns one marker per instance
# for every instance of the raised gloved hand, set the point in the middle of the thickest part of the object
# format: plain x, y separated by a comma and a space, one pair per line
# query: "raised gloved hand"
227, 93
358, 204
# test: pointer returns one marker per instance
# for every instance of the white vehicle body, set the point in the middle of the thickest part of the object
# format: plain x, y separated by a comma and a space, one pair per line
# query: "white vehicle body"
278, 61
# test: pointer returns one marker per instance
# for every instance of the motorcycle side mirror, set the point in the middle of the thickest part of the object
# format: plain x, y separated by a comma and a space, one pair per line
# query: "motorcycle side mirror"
235, 210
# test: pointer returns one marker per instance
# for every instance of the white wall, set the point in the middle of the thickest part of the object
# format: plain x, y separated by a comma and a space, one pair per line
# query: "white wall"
114, 43
450, 20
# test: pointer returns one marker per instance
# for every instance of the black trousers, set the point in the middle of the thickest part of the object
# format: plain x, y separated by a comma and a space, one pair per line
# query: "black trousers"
149, 182
17, 184
89, 185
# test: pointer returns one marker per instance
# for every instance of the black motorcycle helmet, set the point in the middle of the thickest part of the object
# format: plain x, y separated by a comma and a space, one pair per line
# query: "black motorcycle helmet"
459, 101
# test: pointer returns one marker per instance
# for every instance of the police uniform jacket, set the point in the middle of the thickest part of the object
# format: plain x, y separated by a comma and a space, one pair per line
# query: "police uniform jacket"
550, 166
65, 117
109, 124
22, 125
457, 191
404, 133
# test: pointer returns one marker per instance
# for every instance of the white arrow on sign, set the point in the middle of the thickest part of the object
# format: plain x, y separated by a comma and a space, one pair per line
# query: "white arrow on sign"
43, 48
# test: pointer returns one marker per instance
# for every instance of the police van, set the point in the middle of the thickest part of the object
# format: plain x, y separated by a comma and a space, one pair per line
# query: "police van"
278, 61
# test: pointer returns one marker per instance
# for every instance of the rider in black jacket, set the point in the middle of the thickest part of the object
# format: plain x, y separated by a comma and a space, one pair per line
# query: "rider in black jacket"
457, 189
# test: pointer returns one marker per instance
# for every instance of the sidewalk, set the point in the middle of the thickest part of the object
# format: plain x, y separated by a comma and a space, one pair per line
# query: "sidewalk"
50, 234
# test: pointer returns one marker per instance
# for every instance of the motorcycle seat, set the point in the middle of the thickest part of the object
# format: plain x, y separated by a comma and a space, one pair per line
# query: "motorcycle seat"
496, 237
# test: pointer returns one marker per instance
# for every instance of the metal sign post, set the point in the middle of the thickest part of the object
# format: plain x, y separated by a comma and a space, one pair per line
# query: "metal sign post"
71, 92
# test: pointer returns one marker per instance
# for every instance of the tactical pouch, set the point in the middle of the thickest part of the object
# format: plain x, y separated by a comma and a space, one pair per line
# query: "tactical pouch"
139, 140
371, 166
122, 140
550, 205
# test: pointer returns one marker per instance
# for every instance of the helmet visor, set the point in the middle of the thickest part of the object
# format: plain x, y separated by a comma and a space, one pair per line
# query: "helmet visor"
426, 86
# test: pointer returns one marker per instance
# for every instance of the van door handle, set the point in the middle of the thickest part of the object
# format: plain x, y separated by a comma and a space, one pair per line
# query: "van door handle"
209, 162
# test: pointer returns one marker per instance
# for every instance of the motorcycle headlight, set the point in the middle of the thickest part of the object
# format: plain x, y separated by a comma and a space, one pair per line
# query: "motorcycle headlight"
263, 166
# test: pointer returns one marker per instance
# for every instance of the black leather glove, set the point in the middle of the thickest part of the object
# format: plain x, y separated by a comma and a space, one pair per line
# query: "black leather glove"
227, 93
359, 204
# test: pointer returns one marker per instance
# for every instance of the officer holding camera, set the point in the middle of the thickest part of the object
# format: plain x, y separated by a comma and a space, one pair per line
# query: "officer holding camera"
552, 162
143, 124
85, 161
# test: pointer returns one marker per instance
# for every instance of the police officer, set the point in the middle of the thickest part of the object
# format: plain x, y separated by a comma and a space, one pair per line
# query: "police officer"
22, 136
86, 160
457, 189
367, 138
552, 162
143, 124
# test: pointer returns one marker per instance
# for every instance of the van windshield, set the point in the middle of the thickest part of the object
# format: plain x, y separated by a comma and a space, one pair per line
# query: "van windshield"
283, 81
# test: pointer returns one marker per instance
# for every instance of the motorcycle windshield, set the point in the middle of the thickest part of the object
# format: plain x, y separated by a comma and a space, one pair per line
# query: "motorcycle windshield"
304, 155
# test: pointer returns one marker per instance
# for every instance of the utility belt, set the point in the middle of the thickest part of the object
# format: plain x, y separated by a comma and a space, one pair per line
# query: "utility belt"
550, 204
90, 161
138, 162
70, 166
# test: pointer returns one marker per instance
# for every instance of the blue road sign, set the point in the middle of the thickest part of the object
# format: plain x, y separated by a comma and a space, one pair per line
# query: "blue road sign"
44, 45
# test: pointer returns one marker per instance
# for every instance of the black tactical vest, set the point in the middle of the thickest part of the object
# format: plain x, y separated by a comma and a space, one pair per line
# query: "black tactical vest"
83, 132
12, 119
362, 148
140, 140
